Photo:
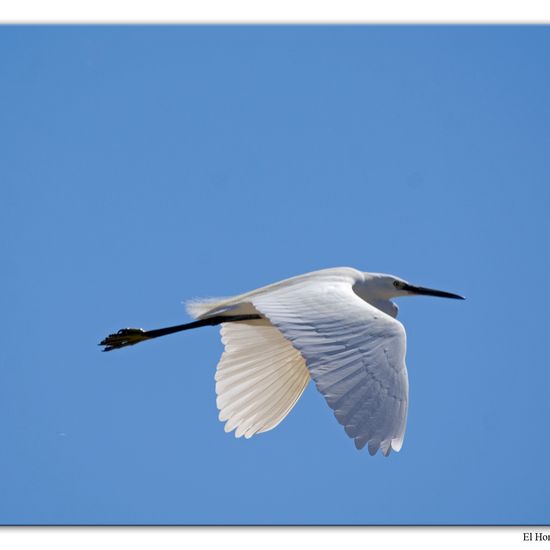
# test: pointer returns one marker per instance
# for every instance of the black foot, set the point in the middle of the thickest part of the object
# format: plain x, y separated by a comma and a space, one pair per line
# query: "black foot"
124, 337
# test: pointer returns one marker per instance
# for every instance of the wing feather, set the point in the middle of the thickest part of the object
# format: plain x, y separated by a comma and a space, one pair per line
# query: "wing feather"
259, 378
355, 353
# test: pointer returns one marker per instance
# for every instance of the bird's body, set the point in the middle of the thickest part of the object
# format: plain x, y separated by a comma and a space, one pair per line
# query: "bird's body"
335, 326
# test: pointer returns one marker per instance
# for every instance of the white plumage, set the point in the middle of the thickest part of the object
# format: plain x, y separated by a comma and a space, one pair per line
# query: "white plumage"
316, 326
259, 378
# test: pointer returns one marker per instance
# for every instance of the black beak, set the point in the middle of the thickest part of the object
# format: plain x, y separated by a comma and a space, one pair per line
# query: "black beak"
431, 292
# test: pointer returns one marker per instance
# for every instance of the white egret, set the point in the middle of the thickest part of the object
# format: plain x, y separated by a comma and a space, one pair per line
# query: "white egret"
335, 326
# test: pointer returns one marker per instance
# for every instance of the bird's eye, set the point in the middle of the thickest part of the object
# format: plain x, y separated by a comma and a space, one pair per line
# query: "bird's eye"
396, 284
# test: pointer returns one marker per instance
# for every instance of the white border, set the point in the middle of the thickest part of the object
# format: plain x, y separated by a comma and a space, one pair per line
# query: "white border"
281, 11
252, 538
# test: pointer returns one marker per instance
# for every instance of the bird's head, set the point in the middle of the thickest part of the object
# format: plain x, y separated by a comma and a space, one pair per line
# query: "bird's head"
390, 286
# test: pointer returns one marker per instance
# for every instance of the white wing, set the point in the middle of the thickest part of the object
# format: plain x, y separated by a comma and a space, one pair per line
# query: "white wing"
259, 378
354, 352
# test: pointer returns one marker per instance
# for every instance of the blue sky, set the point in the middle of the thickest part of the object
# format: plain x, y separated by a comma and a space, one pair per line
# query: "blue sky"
142, 166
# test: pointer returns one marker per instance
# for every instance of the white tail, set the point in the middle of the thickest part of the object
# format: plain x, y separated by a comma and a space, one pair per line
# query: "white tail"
200, 306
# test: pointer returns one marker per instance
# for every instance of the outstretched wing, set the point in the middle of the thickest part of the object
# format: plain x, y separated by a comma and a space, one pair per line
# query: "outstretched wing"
259, 378
355, 354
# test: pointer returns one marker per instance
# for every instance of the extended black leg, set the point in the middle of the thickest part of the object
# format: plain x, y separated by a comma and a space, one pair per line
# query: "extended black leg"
131, 336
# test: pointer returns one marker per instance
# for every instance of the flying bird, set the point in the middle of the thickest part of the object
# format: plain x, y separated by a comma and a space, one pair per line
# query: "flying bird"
335, 326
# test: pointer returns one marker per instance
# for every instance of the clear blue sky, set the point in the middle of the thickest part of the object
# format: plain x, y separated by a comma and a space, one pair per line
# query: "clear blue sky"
144, 166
